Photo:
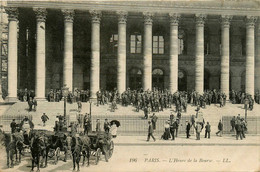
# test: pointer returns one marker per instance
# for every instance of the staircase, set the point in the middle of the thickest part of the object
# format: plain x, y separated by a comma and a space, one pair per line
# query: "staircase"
131, 121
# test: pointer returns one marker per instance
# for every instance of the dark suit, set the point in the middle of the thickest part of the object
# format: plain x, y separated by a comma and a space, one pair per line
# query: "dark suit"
207, 131
150, 132
13, 126
154, 120
188, 130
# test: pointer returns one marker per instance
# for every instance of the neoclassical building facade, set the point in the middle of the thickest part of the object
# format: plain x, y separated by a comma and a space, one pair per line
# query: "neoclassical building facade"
111, 44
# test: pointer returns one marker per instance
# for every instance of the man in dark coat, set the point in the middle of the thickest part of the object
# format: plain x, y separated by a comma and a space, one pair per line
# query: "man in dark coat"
177, 122
13, 126
106, 126
244, 127
238, 128
207, 130
187, 129
173, 127
44, 118
220, 128
150, 132
145, 112
154, 120
233, 123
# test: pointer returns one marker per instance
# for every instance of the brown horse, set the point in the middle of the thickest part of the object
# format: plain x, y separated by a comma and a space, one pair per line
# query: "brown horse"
80, 145
9, 143
38, 149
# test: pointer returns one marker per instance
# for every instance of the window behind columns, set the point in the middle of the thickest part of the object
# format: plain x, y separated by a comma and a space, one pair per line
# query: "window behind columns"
136, 43
158, 45
181, 42
113, 43
206, 41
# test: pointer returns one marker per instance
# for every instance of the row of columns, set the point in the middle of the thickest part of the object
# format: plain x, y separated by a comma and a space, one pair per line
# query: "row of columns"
121, 60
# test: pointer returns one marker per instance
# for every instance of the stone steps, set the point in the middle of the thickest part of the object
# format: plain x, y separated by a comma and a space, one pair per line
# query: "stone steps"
131, 120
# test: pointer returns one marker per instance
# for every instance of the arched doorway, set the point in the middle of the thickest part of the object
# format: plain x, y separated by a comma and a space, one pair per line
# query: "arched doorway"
182, 80
111, 79
206, 79
135, 79
243, 81
158, 79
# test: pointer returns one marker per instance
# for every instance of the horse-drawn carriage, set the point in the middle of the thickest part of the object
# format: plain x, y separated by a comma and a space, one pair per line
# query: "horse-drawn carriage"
56, 142
101, 144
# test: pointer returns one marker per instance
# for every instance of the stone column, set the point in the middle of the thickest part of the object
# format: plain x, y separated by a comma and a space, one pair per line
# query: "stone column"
173, 60
95, 53
199, 53
68, 49
250, 55
40, 53
257, 60
12, 53
121, 53
224, 82
147, 77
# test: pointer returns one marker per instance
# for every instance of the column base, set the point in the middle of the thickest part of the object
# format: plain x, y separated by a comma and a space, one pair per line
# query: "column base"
11, 99
93, 99
41, 99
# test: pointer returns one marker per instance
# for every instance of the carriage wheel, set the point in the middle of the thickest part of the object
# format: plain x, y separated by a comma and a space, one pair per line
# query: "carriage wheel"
111, 149
98, 154
57, 155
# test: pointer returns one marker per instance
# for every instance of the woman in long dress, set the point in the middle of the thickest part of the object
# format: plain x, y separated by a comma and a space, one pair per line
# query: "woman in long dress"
166, 135
113, 130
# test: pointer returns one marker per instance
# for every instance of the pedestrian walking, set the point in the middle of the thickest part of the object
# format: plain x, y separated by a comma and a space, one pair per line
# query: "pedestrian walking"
79, 106
106, 126
207, 130
220, 129
198, 128
13, 126
145, 112
98, 126
173, 128
238, 128
187, 129
150, 132
233, 123
244, 127
34, 102
154, 120
113, 130
44, 118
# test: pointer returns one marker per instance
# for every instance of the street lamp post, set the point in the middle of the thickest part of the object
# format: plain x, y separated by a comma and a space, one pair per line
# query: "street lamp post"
65, 92
246, 113
90, 103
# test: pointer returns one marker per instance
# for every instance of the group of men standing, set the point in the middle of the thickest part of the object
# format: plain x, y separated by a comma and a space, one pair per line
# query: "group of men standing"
240, 125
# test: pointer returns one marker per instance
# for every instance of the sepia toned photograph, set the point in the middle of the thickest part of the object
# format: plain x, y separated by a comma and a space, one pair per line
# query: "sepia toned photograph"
129, 85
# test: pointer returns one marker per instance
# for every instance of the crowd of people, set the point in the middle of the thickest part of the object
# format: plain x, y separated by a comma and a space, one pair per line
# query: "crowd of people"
151, 101
238, 125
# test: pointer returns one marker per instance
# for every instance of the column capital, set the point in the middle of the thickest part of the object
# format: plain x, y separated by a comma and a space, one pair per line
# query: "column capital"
225, 20
68, 15
174, 18
41, 14
148, 17
96, 16
122, 16
12, 13
250, 21
200, 19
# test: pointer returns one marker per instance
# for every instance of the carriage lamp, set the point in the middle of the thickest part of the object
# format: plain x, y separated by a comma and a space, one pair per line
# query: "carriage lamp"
65, 92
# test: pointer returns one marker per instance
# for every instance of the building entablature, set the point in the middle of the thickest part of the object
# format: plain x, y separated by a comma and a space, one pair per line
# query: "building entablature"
251, 8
